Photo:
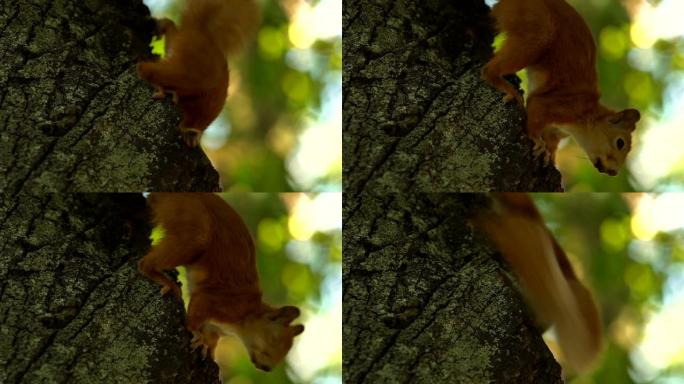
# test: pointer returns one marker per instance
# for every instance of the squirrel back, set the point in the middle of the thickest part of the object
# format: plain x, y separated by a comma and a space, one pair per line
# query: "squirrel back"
230, 23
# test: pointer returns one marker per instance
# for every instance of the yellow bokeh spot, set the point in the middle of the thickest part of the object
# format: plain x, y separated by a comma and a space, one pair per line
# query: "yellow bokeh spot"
300, 31
639, 87
297, 86
613, 43
640, 280
655, 213
643, 30
625, 329
272, 43
641, 36
643, 225
299, 224
663, 342
271, 234
614, 235
309, 215
336, 253
297, 279
678, 60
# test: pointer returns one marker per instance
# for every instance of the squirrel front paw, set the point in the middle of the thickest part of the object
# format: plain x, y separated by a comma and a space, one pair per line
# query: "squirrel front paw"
175, 292
514, 96
541, 150
199, 342
159, 94
191, 136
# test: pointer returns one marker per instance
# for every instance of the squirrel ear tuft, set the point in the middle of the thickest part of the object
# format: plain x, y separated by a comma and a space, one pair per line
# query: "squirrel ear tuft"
284, 315
631, 115
297, 329
626, 118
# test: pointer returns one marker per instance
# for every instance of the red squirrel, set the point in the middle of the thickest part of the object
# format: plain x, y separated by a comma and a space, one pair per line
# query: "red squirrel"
204, 234
549, 282
195, 67
551, 40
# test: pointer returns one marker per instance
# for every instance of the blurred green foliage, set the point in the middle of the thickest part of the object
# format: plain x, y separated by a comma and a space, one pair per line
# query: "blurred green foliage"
277, 91
291, 272
627, 275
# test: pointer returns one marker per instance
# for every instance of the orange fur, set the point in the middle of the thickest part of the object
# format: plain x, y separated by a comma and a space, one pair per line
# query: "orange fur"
195, 67
551, 40
204, 234
549, 281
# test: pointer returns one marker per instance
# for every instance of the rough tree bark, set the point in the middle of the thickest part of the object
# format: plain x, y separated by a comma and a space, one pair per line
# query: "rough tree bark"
73, 307
73, 114
417, 114
426, 300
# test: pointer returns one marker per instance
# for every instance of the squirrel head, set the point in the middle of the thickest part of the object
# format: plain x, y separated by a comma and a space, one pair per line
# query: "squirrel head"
268, 335
608, 139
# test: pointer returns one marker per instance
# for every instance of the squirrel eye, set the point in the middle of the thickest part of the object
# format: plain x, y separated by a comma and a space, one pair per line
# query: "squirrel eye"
620, 144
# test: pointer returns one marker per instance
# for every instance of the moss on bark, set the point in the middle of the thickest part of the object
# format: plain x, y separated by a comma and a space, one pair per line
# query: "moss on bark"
73, 307
73, 114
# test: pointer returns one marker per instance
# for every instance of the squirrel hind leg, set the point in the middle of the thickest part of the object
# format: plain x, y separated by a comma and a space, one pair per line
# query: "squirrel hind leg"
517, 53
177, 247
493, 74
157, 275
205, 341
159, 94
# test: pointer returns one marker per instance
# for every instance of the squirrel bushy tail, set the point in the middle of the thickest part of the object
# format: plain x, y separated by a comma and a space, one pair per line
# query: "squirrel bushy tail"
548, 280
230, 23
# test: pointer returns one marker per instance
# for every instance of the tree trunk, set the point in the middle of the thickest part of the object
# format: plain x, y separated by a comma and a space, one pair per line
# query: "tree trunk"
417, 114
426, 301
74, 116
73, 307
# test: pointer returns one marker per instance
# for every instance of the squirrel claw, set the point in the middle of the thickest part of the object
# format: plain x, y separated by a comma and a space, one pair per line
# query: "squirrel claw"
540, 150
174, 291
191, 136
514, 96
198, 342
159, 94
